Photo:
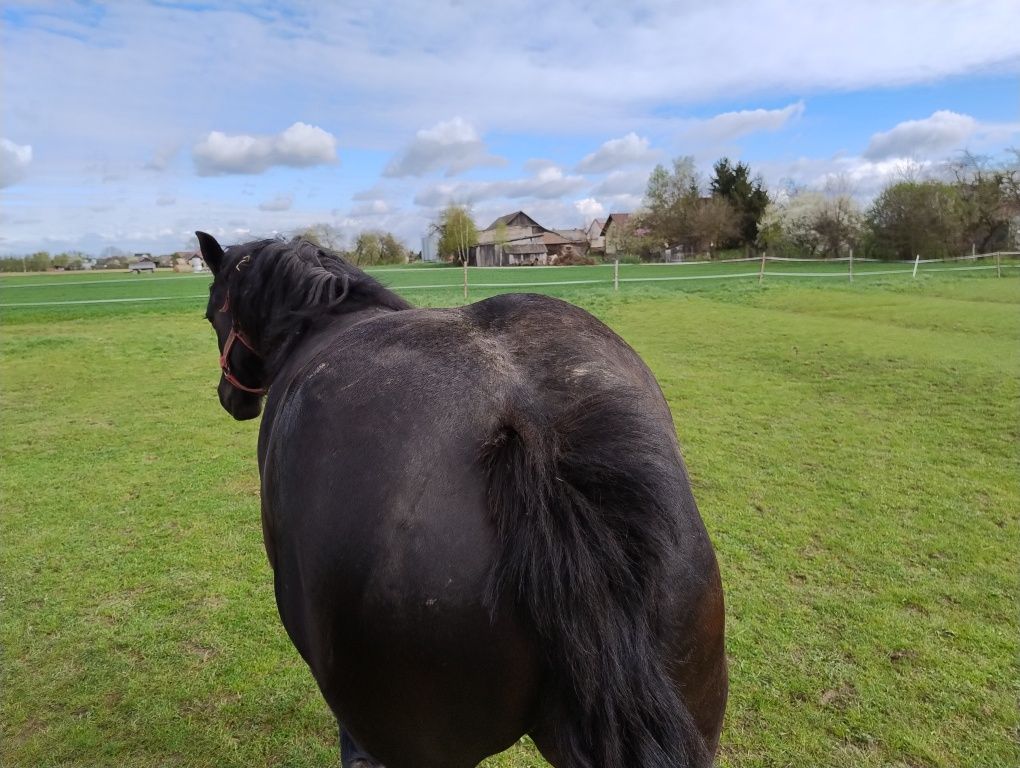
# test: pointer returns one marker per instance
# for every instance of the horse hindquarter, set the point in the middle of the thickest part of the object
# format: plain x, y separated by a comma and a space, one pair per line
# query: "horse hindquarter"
382, 560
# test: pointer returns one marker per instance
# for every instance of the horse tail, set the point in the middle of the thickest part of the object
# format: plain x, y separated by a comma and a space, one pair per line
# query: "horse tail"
586, 528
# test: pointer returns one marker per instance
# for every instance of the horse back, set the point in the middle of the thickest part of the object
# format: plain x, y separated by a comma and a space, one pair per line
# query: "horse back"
394, 560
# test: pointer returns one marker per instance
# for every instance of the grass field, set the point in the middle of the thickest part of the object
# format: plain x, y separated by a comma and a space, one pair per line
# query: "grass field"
854, 450
86, 294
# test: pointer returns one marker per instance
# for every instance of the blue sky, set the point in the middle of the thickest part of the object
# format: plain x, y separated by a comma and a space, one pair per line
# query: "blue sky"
133, 124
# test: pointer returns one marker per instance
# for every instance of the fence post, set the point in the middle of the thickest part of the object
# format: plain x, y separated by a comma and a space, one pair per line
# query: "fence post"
761, 272
851, 265
465, 280
616, 274
917, 260
998, 263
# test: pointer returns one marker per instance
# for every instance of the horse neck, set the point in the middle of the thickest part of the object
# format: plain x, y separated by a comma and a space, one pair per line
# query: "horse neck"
320, 334
295, 302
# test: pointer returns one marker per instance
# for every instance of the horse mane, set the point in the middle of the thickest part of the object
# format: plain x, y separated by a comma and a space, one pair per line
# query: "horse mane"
280, 290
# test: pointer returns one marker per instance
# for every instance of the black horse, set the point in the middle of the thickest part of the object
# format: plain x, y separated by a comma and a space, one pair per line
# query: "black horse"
478, 519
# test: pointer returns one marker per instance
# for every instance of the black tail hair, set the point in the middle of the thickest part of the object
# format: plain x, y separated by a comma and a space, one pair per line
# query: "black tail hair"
585, 538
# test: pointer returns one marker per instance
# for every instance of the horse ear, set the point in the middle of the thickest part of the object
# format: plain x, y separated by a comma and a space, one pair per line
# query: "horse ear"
212, 253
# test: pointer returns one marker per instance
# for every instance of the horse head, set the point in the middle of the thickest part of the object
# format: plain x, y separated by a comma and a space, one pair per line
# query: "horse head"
242, 370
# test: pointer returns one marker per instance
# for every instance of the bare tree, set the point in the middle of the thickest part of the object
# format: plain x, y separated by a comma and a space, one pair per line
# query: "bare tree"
324, 235
714, 222
988, 198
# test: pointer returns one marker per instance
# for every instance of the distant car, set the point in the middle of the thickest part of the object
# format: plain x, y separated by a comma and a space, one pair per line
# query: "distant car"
145, 265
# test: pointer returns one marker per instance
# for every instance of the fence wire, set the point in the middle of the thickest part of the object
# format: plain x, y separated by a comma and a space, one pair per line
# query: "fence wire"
911, 267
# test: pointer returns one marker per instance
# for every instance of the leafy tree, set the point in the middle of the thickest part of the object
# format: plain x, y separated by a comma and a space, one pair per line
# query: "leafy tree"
916, 217
367, 249
13, 264
633, 241
745, 194
678, 214
392, 251
38, 261
457, 233
672, 198
372, 248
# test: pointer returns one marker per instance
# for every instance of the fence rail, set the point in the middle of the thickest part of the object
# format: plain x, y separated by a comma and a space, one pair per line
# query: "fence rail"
606, 275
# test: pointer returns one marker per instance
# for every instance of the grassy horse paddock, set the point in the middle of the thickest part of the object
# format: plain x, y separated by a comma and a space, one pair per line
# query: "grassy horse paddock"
854, 451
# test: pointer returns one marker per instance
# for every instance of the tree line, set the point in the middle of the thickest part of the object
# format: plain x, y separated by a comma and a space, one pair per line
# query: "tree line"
971, 202
370, 248
40, 261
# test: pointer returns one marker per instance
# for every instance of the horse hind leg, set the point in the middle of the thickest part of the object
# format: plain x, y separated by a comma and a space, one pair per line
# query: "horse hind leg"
353, 756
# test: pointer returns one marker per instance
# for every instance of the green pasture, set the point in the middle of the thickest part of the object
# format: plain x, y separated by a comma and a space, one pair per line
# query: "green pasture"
855, 451
90, 294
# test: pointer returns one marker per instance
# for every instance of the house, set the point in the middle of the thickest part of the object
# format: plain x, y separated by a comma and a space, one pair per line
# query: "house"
596, 242
181, 261
613, 230
144, 264
517, 239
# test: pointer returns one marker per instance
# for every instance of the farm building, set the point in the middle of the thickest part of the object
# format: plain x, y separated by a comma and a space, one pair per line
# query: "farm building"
596, 241
183, 261
612, 230
517, 239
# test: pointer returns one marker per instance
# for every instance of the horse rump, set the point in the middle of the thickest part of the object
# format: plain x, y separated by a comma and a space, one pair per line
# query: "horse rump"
586, 512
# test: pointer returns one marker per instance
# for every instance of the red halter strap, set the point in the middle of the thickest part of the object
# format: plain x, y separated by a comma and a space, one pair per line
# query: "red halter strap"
235, 335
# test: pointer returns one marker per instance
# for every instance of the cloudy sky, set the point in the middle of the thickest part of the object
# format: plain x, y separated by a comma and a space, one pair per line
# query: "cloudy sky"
132, 124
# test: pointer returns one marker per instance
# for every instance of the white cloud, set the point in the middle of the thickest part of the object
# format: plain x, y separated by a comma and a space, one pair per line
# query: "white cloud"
549, 183
453, 146
384, 76
14, 162
282, 202
299, 146
617, 153
623, 183
943, 131
590, 208
863, 178
165, 200
732, 125
622, 203
371, 208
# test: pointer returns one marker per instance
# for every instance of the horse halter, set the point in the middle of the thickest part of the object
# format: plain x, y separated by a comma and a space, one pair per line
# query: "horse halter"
236, 335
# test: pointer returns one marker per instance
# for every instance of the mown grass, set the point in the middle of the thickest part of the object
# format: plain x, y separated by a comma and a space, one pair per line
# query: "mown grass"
25, 297
854, 451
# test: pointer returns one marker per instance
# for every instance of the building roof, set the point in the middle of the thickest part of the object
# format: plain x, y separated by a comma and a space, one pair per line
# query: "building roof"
618, 218
516, 219
509, 235
555, 238
573, 235
525, 249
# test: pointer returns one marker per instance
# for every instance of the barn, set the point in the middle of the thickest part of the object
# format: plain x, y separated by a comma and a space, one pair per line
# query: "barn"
516, 239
